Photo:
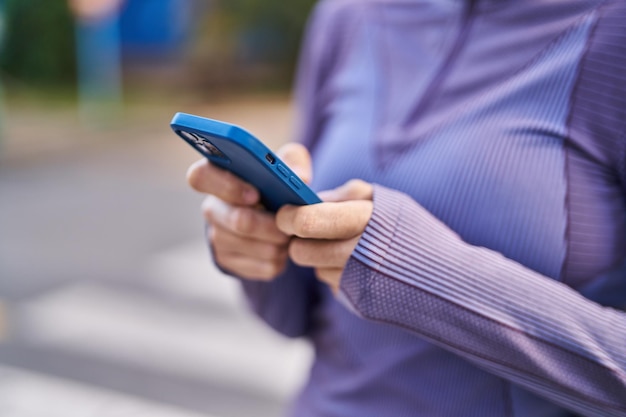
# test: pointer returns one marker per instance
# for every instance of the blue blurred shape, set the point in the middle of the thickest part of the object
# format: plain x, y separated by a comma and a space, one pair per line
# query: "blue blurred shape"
98, 53
99, 68
155, 28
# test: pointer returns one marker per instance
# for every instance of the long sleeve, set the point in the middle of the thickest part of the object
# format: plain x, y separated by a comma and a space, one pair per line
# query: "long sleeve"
412, 271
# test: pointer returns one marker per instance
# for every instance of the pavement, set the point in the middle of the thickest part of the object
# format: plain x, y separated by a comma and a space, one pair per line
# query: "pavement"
109, 303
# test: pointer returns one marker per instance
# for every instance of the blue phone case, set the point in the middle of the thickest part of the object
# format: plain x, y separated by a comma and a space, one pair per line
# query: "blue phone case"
237, 151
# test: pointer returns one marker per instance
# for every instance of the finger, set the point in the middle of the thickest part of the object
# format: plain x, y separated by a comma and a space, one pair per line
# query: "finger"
341, 220
208, 178
321, 253
224, 241
330, 277
243, 221
351, 190
297, 157
249, 268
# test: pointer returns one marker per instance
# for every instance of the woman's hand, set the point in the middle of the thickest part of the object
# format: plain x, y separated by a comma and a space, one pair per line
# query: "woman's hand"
325, 234
244, 238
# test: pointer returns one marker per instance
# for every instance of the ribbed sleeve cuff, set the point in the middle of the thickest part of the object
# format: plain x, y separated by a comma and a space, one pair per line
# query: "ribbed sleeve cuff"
399, 240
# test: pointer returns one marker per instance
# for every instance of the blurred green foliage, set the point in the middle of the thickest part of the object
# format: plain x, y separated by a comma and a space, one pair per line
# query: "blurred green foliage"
252, 40
38, 47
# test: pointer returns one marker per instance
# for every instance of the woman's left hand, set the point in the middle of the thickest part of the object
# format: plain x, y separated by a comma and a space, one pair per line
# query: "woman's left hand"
325, 234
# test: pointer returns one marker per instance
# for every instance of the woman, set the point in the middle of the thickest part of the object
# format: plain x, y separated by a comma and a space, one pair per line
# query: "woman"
483, 274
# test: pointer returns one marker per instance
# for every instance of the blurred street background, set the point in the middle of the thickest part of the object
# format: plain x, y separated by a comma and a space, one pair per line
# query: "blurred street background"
109, 303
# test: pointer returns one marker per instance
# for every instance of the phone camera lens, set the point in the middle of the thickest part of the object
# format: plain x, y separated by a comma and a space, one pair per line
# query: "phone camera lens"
203, 145
213, 150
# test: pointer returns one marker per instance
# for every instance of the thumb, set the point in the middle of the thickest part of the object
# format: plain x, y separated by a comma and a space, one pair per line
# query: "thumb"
351, 190
297, 157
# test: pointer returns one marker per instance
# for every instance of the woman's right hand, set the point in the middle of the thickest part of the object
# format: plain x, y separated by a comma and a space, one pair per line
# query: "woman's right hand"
244, 237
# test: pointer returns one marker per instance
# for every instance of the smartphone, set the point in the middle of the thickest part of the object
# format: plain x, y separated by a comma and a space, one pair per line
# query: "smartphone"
234, 149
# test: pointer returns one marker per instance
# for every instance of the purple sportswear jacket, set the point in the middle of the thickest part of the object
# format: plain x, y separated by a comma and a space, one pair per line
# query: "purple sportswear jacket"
491, 278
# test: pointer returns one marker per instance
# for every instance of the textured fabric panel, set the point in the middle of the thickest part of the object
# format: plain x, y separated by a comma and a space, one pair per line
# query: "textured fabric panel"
595, 153
598, 119
356, 352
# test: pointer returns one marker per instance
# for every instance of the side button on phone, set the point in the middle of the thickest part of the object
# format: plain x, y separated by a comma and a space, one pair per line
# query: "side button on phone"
282, 170
296, 182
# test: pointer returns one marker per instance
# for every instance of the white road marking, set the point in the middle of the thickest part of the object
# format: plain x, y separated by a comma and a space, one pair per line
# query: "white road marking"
29, 394
235, 350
